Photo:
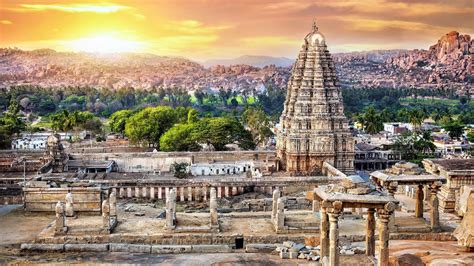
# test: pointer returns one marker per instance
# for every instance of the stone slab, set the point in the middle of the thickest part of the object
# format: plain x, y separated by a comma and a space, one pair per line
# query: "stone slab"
171, 249
211, 249
43, 247
260, 248
135, 248
86, 247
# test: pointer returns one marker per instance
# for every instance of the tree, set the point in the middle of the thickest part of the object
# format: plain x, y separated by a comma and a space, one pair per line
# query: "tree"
179, 138
221, 131
180, 170
118, 120
372, 121
416, 117
147, 126
258, 123
193, 116
455, 128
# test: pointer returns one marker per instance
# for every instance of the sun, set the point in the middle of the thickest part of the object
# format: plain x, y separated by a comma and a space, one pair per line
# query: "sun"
104, 44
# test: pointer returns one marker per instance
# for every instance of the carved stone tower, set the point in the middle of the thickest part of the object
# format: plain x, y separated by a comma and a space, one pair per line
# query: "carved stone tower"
313, 128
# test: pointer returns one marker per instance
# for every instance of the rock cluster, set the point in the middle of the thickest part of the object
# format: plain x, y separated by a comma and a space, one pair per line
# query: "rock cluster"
406, 168
292, 250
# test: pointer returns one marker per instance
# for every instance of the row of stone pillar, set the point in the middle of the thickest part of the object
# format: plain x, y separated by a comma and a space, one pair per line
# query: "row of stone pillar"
421, 194
171, 220
329, 232
185, 193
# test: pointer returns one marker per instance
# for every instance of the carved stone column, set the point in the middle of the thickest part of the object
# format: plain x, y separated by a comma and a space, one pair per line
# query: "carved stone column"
60, 222
324, 232
171, 209
333, 214
69, 205
419, 202
392, 188
106, 215
384, 232
434, 212
280, 216
370, 233
275, 197
113, 204
213, 208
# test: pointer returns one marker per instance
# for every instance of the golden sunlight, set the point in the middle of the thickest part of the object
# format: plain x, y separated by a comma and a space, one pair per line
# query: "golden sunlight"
104, 44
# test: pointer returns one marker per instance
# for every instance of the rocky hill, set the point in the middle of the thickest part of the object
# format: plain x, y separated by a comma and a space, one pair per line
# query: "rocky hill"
252, 60
447, 64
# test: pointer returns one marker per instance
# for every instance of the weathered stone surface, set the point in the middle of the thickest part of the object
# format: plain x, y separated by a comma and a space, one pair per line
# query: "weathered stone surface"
116, 247
43, 247
259, 248
86, 247
211, 248
171, 249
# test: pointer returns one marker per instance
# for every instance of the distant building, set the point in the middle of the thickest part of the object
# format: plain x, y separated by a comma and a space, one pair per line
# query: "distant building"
29, 143
396, 128
371, 157
213, 169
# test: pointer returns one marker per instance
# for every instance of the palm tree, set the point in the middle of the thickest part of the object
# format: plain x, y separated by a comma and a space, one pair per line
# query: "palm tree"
416, 117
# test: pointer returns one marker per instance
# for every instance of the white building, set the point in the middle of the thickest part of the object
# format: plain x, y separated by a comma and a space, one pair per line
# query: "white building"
37, 143
396, 128
213, 169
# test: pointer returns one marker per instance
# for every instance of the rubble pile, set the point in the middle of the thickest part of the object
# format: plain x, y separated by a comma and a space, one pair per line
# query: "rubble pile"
292, 250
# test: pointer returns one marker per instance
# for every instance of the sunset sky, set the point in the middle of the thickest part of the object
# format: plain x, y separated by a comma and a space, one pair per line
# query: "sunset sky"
204, 29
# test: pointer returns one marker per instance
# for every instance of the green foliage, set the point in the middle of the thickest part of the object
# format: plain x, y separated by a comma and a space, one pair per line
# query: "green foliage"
118, 120
371, 121
455, 128
10, 124
67, 121
147, 126
221, 131
415, 146
179, 138
180, 170
258, 123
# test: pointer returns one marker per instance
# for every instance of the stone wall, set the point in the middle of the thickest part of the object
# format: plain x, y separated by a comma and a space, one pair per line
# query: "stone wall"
86, 199
161, 161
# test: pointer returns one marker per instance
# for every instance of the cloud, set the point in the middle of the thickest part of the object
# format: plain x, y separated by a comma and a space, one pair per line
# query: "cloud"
6, 22
73, 8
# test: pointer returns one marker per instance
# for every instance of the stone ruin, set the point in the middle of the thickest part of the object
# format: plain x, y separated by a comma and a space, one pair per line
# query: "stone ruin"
213, 210
60, 221
69, 205
465, 232
170, 222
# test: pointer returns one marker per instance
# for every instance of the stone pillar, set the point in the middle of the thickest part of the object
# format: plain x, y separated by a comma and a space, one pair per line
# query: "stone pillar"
181, 194
324, 232
434, 202
226, 191
122, 192
204, 193
240, 190
160, 193
69, 205
419, 202
113, 204
392, 188
219, 192
129, 192
213, 209
106, 215
234, 191
137, 192
190, 194
280, 216
171, 210
144, 192
152, 193
370, 233
60, 222
333, 214
315, 206
167, 192
275, 197
384, 232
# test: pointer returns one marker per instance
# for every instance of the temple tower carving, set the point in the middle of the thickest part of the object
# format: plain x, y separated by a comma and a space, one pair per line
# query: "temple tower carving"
313, 128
